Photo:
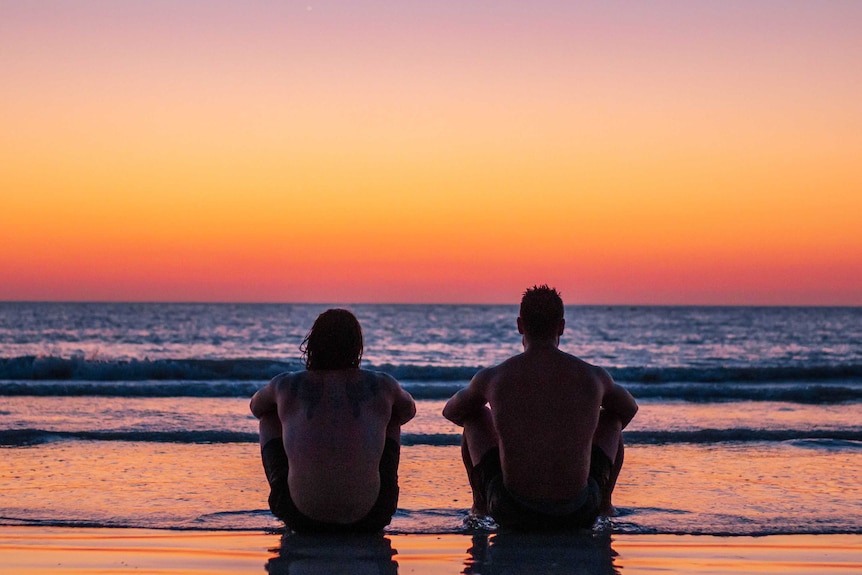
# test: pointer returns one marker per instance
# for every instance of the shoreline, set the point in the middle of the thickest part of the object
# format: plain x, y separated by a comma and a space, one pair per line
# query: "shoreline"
35, 550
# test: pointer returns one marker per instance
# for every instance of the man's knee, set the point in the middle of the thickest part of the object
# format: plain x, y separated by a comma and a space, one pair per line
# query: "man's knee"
608, 434
270, 427
480, 436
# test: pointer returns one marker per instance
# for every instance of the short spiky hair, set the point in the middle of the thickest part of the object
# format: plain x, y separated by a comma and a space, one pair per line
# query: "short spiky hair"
334, 341
541, 311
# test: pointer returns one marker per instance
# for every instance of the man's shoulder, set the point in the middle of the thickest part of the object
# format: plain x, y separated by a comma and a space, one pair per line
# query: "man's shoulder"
287, 376
380, 376
596, 373
487, 374
379, 381
501, 370
285, 382
566, 365
584, 365
282, 377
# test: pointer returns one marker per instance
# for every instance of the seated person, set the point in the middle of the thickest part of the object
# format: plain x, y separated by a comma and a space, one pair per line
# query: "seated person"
547, 453
330, 435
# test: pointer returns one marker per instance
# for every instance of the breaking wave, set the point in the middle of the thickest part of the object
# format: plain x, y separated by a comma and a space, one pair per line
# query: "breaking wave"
77, 376
842, 438
804, 393
79, 368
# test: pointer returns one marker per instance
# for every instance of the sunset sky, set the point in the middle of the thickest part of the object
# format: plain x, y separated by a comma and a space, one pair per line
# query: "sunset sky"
656, 152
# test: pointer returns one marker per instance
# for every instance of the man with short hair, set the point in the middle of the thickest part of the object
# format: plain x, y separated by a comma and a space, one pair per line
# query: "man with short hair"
547, 453
330, 436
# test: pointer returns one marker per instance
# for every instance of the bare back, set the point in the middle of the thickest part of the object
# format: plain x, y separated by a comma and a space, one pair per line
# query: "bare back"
334, 428
545, 405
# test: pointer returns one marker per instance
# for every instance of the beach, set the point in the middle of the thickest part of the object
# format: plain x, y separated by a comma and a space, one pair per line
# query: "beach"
127, 444
187, 186
36, 551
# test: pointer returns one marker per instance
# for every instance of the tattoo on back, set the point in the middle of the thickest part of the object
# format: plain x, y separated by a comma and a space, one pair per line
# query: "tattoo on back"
361, 391
310, 393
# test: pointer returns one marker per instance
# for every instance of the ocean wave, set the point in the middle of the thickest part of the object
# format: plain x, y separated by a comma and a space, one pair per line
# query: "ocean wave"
750, 374
29, 437
79, 368
807, 393
740, 435
832, 439
828, 444
802, 393
846, 439
130, 388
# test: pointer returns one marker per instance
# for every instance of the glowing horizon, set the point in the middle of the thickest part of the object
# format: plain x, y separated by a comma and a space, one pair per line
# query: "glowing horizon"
657, 153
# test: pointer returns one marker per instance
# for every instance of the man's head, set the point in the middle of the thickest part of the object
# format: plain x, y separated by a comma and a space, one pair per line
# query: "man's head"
334, 341
542, 314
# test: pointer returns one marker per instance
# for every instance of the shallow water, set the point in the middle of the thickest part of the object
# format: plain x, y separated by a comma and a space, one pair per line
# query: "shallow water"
223, 419
136, 415
751, 488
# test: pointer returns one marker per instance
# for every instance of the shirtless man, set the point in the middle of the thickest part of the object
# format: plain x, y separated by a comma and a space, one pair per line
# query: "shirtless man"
547, 453
330, 436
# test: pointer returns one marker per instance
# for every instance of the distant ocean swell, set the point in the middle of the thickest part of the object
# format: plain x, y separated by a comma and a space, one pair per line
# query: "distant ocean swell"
55, 376
802, 393
32, 367
842, 438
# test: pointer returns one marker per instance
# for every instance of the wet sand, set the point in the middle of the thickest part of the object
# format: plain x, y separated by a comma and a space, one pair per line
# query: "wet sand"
42, 550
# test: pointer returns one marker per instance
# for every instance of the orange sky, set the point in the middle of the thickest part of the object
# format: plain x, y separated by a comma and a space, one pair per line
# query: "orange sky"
657, 152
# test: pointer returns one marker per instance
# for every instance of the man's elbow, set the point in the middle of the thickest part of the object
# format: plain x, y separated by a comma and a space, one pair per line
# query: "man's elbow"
259, 408
253, 407
447, 413
622, 412
402, 416
627, 417
451, 413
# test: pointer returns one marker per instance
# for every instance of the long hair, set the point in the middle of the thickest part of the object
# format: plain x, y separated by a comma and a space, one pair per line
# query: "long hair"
541, 311
333, 342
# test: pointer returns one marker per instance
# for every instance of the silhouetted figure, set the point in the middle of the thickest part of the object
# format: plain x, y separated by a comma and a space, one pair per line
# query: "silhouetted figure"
547, 453
330, 436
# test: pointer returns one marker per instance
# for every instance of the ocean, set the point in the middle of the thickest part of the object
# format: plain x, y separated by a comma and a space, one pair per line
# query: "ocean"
136, 415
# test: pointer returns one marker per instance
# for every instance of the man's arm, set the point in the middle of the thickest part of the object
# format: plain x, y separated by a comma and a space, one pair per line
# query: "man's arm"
468, 401
264, 401
618, 400
403, 406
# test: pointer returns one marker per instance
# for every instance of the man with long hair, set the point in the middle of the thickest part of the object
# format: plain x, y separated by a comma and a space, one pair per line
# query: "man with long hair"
330, 435
547, 453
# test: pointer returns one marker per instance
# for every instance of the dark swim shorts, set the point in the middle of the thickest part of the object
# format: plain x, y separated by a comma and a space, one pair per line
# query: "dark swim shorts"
282, 506
512, 511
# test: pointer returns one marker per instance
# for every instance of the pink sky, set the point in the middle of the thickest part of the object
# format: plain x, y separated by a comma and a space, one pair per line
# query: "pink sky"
649, 152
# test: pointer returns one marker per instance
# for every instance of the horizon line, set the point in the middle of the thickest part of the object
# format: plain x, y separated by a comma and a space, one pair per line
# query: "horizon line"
429, 303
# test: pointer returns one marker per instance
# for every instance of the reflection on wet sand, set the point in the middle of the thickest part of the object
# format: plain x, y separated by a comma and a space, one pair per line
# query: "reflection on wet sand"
333, 554
548, 553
